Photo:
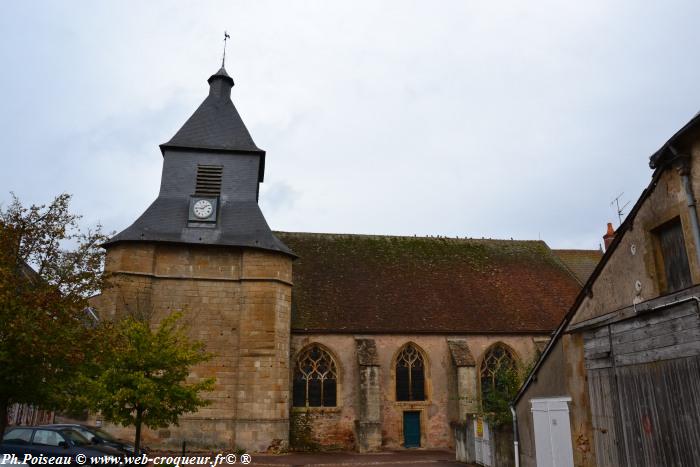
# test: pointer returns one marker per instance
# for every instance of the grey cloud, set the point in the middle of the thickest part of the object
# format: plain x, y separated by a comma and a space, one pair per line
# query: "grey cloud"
497, 119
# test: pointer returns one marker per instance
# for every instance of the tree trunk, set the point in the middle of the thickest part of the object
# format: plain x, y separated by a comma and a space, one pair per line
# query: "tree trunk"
137, 441
4, 403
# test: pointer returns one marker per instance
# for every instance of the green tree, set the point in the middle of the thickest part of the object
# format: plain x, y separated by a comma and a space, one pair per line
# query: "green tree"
506, 383
144, 380
48, 269
496, 402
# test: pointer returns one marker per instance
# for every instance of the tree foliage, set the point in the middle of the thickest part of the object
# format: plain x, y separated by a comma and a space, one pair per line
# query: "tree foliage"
496, 401
145, 379
48, 270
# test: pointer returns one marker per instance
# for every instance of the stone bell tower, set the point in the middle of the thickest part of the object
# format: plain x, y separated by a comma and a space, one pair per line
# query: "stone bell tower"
204, 248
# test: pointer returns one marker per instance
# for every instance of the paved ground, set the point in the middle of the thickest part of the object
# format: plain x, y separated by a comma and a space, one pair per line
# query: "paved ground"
412, 458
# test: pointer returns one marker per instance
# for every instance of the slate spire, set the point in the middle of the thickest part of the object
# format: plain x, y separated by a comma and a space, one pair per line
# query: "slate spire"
212, 149
216, 124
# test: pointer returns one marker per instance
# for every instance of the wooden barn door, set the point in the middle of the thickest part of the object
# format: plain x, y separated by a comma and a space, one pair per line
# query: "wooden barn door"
644, 387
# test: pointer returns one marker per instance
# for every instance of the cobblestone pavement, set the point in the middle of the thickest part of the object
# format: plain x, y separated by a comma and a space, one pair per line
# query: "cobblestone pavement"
412, 458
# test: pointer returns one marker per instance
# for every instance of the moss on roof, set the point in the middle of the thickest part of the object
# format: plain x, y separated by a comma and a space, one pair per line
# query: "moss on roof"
581, 263
372, 283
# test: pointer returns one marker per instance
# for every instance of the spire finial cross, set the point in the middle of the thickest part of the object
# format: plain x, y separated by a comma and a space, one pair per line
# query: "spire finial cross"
223, 59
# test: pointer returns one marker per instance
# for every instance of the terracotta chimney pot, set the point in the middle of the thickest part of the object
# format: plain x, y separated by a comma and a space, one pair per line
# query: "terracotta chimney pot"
609, 236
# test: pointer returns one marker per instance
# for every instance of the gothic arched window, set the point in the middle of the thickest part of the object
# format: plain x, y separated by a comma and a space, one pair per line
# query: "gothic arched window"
498, 371
315, 378
410, 374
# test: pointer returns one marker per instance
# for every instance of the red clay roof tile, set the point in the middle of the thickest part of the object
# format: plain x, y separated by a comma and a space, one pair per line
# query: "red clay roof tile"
580, 262
387, 284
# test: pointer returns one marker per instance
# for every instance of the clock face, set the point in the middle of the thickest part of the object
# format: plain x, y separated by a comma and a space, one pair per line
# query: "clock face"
202, 208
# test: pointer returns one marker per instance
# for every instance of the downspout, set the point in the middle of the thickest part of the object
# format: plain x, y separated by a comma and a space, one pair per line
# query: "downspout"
515, 436
684, 171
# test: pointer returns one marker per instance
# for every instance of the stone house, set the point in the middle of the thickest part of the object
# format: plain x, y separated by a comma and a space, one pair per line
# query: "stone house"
363, 341
618, 383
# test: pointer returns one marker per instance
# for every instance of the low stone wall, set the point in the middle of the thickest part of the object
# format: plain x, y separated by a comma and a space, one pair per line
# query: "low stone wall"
320, 429
464, 441
503, 452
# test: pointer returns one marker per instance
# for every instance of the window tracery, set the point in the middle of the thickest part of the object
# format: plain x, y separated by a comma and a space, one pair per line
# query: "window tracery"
410, 375
498, 361
315, 378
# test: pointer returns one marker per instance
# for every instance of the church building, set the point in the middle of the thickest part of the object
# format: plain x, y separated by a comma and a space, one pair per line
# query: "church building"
335, 341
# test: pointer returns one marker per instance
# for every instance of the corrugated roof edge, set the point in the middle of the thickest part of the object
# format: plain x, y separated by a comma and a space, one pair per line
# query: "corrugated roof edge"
660, 166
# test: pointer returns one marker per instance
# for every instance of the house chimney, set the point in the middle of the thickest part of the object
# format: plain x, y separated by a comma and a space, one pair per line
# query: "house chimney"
609, 236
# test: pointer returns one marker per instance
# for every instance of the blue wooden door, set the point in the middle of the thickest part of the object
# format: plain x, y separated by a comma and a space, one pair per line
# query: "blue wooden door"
411, 429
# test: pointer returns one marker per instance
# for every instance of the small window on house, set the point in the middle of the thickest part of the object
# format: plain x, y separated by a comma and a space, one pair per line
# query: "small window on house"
673, 257
410, 375
315, 379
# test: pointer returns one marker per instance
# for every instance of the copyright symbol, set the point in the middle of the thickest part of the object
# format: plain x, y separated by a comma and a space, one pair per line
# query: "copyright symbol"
231, 458
245, 459
80, 459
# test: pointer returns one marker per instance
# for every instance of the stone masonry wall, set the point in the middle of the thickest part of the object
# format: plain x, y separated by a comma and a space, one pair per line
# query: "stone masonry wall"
336, 427
238, 302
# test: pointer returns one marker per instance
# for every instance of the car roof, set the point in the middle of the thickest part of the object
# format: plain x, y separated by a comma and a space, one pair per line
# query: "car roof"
42, 427
62, 425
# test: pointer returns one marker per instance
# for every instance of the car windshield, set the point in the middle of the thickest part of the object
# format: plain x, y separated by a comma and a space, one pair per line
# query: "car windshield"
77, 438
103, 434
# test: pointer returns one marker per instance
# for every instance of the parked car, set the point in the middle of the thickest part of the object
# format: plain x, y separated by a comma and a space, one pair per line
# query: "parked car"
49, 441
97, 435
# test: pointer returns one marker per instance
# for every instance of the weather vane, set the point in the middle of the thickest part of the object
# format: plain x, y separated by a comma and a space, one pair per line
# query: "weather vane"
223, 59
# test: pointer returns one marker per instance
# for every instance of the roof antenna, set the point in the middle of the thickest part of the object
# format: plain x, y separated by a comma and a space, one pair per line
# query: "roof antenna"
620, 210
223, 59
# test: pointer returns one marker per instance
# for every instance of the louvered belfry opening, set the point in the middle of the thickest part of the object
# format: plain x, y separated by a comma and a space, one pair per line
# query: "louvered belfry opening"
208, 180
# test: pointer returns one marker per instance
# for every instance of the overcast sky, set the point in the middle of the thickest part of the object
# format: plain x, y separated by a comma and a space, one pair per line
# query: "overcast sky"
475, 118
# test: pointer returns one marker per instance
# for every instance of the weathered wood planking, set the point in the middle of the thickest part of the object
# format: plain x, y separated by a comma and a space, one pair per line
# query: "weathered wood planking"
687, 349
605, 432
598, 363
669, 333
632, 311
665, 327
644, 387
670, 338
594, 342
596, 348
660, 407
655, 317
